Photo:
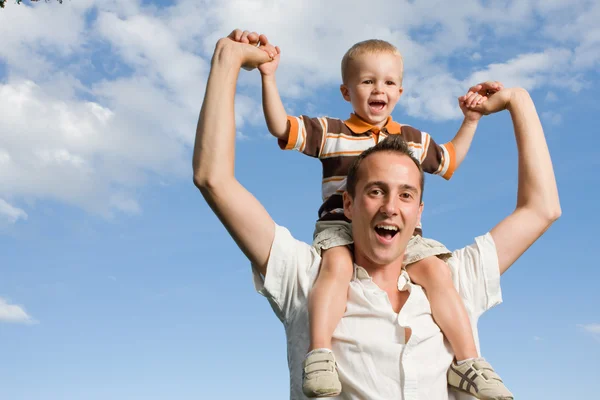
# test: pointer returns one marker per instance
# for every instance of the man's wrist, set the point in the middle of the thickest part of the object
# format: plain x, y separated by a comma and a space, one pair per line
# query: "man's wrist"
226, 54
517, 95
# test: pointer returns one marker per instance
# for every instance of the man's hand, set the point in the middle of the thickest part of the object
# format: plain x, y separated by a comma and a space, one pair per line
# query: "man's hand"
250, 48
475, 97
497, 102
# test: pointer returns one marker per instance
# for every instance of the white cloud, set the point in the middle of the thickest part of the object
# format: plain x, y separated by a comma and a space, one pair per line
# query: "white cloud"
92, 110
592, 329
10, 213
13, 313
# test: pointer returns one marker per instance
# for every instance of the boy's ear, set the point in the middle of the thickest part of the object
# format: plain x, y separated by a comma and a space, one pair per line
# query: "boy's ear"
345, 92
401, 90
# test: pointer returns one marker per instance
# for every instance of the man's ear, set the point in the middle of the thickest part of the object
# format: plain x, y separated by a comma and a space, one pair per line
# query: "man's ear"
420, 213
345, 92
348, 205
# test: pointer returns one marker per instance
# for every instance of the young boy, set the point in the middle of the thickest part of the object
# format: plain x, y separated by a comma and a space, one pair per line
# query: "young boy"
372, 82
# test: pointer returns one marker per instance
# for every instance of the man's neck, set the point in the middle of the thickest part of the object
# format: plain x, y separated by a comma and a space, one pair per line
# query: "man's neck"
385, 276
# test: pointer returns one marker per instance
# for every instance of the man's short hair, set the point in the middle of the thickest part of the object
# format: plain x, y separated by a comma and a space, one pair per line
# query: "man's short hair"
392, 144
367, 46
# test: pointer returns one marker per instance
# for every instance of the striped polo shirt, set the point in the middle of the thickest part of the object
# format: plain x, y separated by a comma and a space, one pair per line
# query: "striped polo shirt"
338, 143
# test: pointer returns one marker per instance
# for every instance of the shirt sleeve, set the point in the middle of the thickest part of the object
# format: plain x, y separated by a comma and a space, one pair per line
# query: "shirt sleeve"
476, 275
291, 271
437, 159
305, 135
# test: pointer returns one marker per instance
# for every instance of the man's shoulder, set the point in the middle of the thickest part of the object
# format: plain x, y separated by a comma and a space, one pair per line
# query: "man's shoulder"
481, 246
286, 245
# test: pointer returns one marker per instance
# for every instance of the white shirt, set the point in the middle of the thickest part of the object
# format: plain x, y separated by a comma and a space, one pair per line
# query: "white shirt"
374, 360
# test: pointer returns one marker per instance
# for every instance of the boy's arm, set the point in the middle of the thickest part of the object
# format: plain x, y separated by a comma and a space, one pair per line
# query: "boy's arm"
538, 204
464, 137
214, 150
275, 114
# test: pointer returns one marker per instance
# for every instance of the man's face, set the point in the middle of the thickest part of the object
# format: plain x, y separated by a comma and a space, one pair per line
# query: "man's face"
386, 208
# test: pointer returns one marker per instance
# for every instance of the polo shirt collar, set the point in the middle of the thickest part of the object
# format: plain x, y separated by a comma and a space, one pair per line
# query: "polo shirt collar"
357, 125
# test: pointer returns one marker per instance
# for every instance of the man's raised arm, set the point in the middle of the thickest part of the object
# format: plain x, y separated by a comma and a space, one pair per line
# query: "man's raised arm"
538, 205
214, 150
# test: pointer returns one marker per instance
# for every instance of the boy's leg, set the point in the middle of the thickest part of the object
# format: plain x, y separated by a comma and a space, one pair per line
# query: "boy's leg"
470, 373
447, 307
326, 306
328, 296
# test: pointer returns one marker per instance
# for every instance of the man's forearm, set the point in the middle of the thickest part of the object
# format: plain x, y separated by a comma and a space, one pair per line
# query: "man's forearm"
538, 205
463, 139
243, 216
213, 156
537, 184
275, 114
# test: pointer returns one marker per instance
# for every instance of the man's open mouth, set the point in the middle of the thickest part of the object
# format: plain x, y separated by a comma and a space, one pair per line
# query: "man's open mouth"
386, 231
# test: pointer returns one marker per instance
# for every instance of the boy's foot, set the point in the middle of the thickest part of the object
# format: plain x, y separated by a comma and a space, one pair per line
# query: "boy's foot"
320, 376
477, 377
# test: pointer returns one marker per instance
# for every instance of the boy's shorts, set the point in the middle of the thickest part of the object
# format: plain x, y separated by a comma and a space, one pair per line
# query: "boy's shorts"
330, 234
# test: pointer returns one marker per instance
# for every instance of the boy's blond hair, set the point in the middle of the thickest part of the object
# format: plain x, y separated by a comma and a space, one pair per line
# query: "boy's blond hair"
368, 46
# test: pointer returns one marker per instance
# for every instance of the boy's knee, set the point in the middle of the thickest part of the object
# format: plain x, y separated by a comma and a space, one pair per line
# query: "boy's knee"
338, 261
429, 271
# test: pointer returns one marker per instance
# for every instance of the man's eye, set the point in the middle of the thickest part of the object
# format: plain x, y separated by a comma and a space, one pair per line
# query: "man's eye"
406, 195
376, 192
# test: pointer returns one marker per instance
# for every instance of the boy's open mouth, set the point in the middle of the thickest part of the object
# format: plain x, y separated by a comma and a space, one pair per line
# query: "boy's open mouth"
386, 231
377, 105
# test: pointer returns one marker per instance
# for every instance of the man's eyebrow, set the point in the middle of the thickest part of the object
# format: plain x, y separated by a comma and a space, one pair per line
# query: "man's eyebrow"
408, 187
376, 183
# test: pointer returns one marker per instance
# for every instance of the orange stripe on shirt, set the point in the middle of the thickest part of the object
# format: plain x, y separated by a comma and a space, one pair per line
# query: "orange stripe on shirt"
324, 127
293, 134
452, 155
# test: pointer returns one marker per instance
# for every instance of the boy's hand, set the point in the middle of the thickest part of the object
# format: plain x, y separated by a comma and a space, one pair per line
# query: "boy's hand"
269, 68
497, 102
471, 103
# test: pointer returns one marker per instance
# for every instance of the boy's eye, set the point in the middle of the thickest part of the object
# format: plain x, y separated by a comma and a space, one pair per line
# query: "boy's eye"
368, 81
390, 83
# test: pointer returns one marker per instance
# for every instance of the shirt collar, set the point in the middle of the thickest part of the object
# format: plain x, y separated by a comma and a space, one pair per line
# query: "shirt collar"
357, 125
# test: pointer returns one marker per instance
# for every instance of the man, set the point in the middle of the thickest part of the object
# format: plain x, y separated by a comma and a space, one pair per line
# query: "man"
388, 345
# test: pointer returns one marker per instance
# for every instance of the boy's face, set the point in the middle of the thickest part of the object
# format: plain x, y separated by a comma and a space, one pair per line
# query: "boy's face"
373, 86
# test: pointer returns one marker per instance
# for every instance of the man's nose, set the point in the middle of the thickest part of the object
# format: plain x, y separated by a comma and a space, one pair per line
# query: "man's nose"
389, 206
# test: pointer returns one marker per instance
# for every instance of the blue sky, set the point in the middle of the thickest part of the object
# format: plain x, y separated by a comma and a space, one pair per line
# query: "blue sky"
117, 281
